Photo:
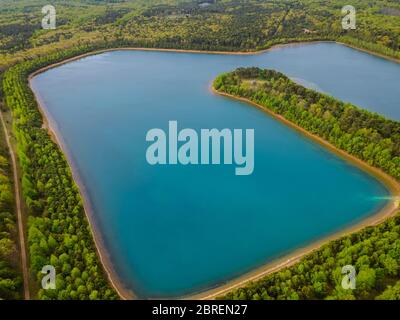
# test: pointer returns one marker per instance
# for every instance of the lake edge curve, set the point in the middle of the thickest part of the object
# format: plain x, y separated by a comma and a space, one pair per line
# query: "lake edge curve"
287, 260
276, 264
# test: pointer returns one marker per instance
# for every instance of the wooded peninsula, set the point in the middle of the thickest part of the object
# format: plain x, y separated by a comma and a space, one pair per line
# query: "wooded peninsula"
369, 137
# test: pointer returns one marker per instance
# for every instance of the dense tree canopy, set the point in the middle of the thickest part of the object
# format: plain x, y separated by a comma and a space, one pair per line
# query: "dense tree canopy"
59, 233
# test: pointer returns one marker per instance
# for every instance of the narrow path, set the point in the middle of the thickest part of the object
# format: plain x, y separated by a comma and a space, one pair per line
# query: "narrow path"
24, 264
280, 23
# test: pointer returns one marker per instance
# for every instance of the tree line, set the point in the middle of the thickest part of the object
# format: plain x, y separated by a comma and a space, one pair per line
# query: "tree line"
374, 251
58, 231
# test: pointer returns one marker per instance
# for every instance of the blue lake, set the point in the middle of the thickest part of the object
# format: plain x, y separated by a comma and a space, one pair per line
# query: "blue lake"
175, 230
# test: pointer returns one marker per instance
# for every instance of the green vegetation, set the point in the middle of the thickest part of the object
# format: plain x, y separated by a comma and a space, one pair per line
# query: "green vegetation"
233, 25
391, 293
374, 251
59, 233
368, 136
10, 279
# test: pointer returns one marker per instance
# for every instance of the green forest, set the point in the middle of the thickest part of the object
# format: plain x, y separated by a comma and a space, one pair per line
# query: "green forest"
233, 25
374, 251
10, 279
58, 231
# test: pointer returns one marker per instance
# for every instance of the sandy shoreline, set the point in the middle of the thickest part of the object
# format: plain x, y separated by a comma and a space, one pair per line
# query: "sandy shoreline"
380, 55
277, 46
273, 266
290, 259
229, 53
102, 253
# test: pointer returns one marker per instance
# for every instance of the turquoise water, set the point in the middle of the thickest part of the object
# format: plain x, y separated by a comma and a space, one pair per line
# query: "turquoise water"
174, 230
